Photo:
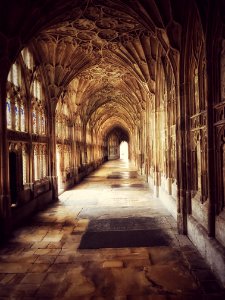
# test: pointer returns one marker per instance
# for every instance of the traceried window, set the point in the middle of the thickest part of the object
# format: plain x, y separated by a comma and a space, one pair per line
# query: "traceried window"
17, 116
88, 134
34, 120
24, 159
15, 113
27, 58
196, 90
22, 117
40, 161
15, 75
15, 102
64, 136
36, 166
42, 123
63, 128
67, 157
78, 129
44, 155
9, 113
38, 109
40, 158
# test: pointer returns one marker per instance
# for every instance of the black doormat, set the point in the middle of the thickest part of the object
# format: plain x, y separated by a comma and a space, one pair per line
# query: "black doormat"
123, 175
125, 224
122, 233
123, 239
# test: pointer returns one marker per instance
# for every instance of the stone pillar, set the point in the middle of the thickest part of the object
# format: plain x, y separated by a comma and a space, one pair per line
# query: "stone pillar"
212, 94
5, 201
52, 153
156, 121
73, 151
181, 162
85, 143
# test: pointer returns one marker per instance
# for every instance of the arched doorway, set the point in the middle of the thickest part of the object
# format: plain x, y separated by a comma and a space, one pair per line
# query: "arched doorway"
124, 153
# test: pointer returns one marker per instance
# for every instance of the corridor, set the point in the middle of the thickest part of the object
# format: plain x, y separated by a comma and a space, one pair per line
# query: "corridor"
107, 238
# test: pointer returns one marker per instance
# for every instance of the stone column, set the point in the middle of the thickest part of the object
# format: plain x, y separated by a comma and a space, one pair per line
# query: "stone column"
156, 121
84, 131
73, 150
52, 153
181, 161
5, 201
212, 56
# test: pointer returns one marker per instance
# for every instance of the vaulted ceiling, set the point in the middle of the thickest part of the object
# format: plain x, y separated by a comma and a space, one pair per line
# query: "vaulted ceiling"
100, 55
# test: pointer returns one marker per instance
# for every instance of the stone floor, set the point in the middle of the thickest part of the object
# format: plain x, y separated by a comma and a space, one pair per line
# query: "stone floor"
147, 259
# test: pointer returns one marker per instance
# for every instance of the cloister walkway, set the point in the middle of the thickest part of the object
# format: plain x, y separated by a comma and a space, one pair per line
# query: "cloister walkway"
107, 238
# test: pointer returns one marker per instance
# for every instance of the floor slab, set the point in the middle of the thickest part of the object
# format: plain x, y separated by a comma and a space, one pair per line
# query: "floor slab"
107, 238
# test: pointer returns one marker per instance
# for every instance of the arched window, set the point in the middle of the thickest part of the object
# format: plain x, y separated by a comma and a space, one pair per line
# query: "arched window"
24, 160
42, 122
15, 75
27, 58
17, 117
196, 90
9, 113
44, 153
38, 109
36, 166
22, 117
34, 120
40, 161
15, 103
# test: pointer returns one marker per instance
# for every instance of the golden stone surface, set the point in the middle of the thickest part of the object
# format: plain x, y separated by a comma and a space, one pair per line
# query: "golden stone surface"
59, 270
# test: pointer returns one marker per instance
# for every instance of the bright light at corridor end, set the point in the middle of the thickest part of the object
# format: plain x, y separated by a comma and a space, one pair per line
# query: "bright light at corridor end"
124, 150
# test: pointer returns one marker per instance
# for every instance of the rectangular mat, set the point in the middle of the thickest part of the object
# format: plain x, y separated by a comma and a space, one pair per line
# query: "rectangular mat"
123, 239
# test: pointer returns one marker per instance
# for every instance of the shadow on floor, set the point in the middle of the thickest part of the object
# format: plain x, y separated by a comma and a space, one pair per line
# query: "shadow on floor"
123, 232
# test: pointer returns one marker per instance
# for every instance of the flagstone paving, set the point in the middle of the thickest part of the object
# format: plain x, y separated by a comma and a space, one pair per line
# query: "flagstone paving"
48, 258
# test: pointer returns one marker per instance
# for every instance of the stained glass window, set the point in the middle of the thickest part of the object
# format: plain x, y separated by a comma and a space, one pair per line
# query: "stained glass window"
42, 123
38, 129
22, 118
9, 113
17, 117
34, 121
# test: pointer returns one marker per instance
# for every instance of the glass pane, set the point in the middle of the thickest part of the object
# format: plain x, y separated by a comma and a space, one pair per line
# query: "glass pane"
16, 116
8, 114
34, 121
42, 124
22, 118
15, 78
